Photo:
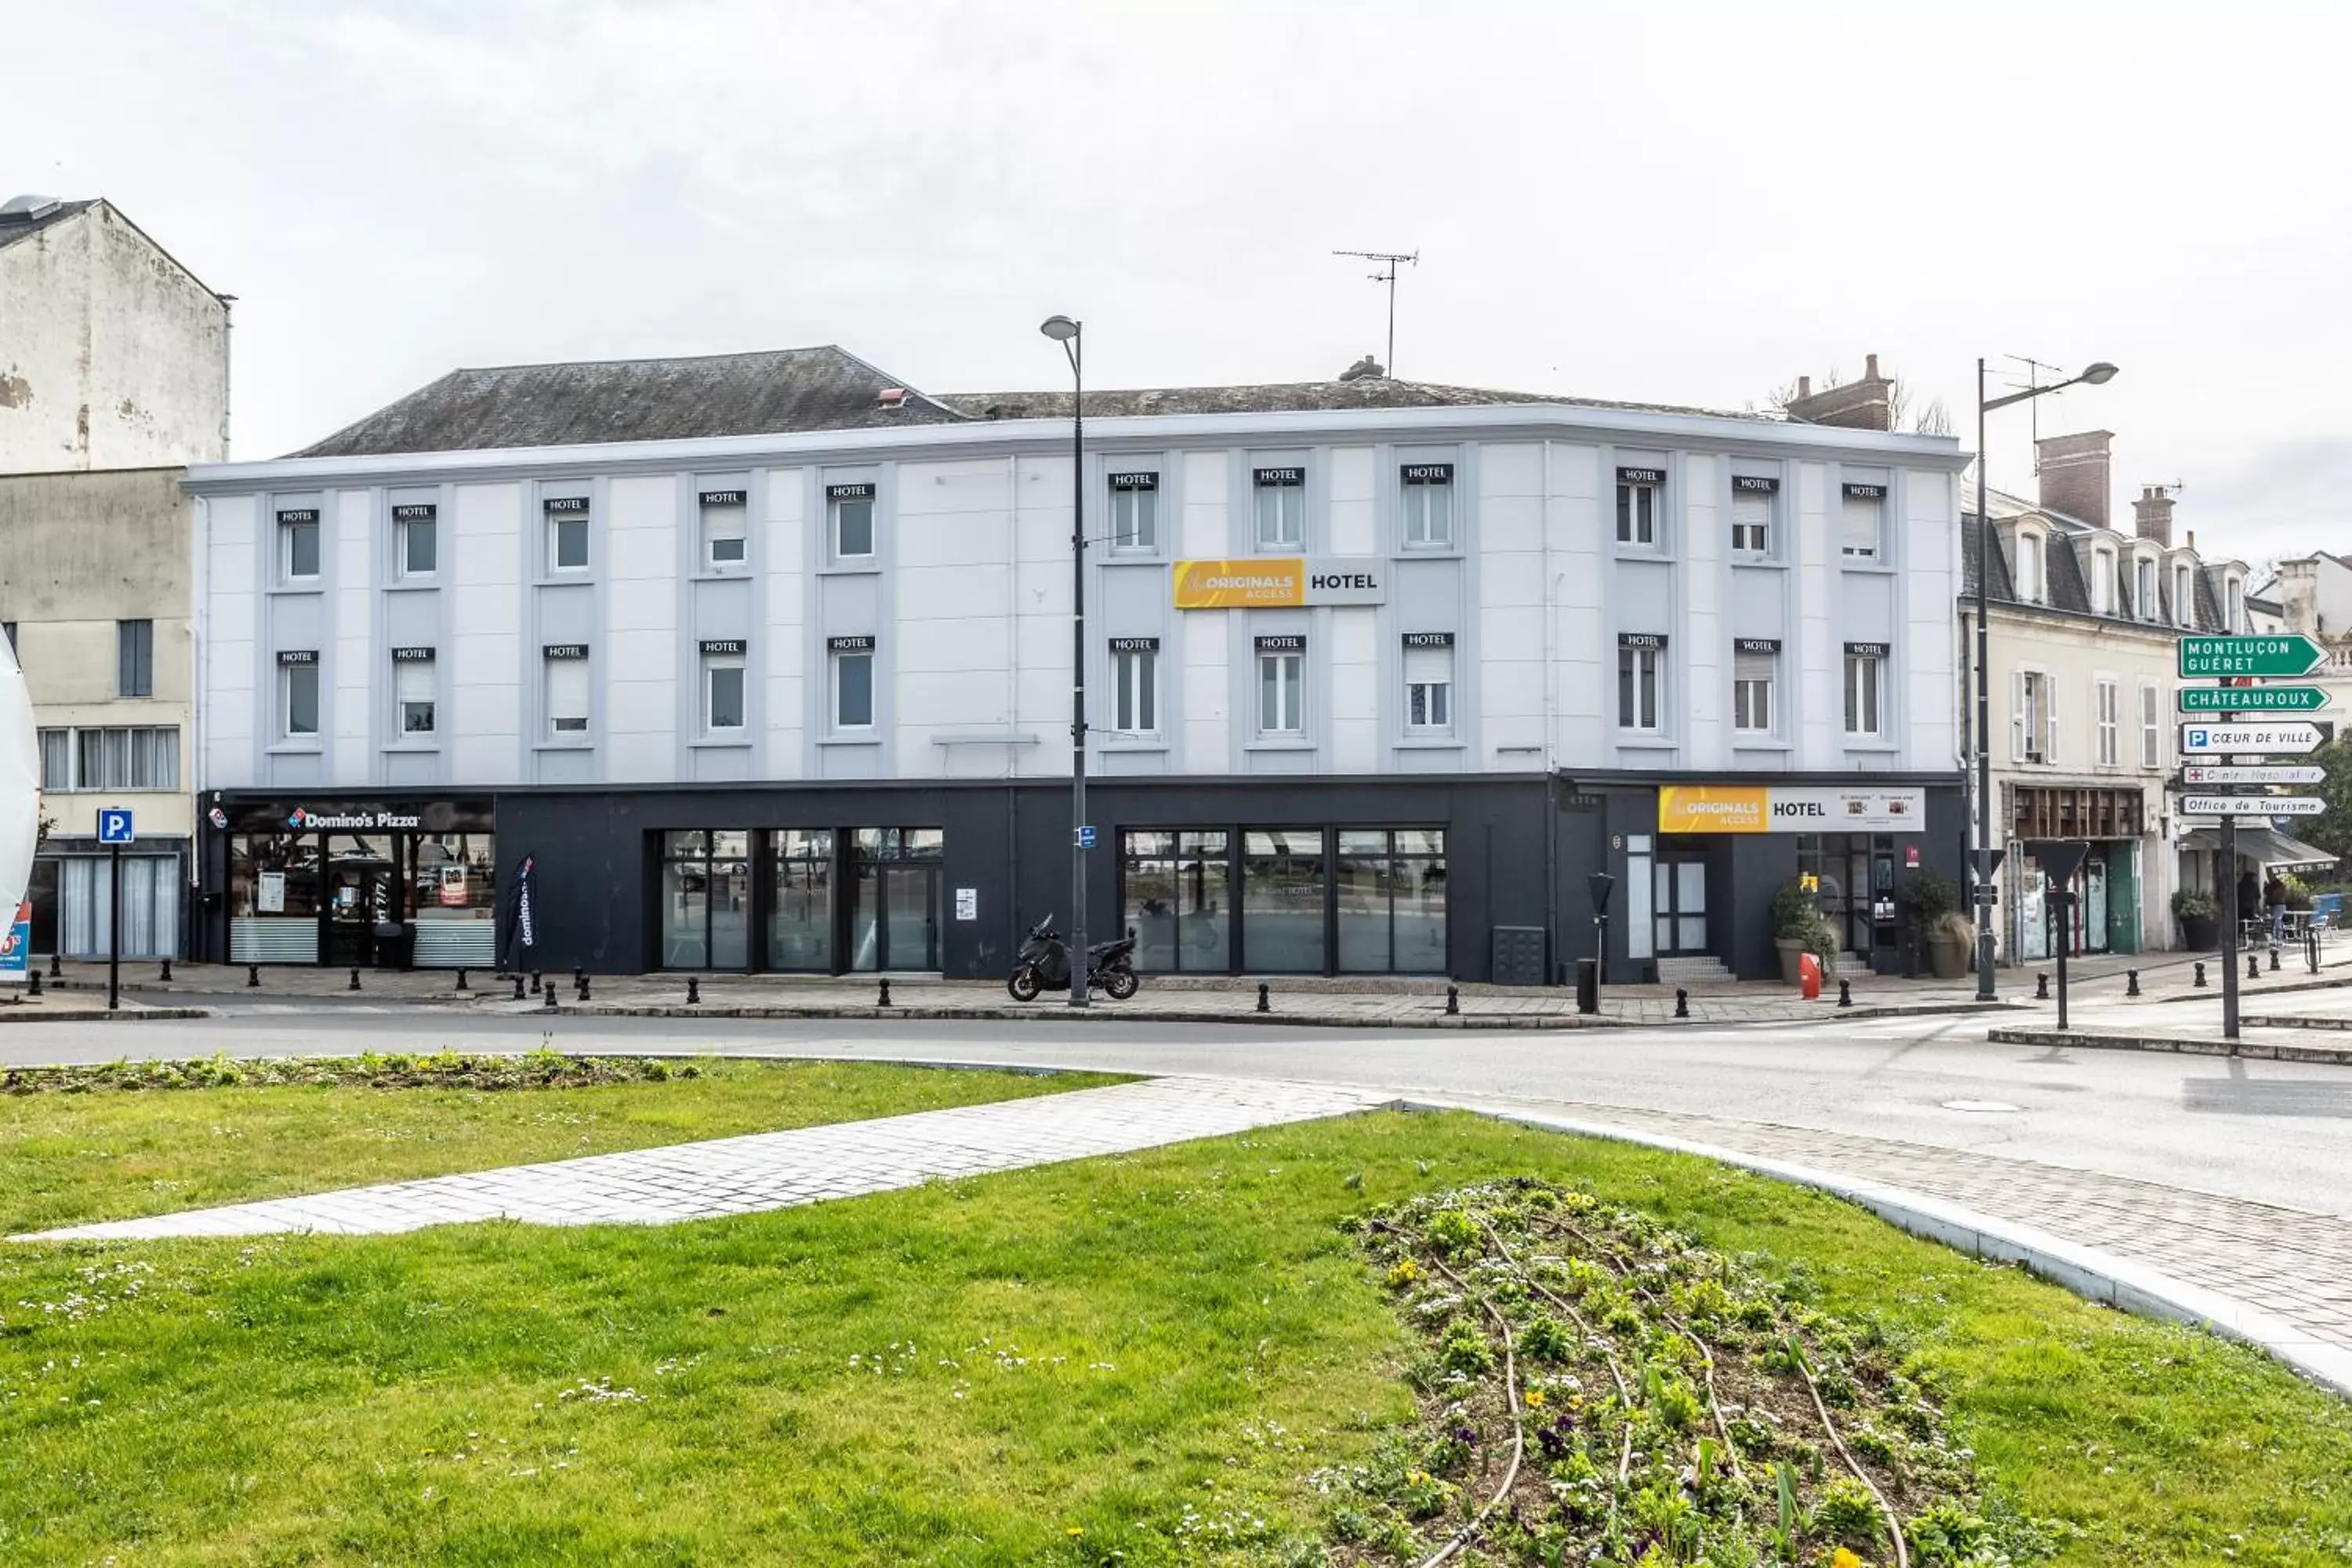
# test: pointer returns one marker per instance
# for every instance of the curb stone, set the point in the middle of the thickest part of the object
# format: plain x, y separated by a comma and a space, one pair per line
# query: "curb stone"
101, 1016
2185, 1045
1163, 1014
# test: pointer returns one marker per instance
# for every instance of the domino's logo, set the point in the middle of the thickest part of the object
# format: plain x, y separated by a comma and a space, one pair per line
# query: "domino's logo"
297, 817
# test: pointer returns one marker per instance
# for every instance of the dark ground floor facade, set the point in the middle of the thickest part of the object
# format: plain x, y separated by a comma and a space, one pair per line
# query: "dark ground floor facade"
1472, 878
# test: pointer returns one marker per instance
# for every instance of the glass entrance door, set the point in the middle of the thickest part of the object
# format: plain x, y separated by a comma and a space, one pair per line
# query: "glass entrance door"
1678, 909
894, 922
362, 892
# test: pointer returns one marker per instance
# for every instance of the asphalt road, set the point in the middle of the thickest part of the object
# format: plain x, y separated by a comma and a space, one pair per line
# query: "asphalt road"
2272, 1132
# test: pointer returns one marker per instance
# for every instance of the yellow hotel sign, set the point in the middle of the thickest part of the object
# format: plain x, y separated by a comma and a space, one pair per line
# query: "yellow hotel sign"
1714, 808
1258, 581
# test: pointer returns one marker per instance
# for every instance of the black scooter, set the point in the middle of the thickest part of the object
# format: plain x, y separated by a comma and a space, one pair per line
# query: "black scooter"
1043, 964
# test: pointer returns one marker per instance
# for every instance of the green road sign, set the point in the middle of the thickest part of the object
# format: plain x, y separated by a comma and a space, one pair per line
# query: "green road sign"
2251, 700
2279, 657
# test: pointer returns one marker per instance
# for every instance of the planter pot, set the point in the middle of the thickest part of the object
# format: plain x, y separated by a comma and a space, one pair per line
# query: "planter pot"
2201, 934
1791, 952
1947, 955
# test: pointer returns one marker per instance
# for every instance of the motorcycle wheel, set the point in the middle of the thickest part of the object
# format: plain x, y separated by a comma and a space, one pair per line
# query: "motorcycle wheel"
1022, 984
1119, 984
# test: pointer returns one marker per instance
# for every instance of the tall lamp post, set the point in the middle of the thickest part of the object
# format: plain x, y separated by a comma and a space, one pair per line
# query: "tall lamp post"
1070, 335
2097, 375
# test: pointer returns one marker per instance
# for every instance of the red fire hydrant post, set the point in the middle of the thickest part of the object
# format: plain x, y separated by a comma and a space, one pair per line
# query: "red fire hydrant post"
1808, 976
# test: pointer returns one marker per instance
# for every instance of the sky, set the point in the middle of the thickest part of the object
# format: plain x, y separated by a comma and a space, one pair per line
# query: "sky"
1679, 202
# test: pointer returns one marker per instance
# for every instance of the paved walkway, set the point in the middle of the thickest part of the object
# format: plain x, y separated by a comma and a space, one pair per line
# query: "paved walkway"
776, 1170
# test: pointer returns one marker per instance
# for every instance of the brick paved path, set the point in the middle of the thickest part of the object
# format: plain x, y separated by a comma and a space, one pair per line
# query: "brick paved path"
778, 1170
2295, 1266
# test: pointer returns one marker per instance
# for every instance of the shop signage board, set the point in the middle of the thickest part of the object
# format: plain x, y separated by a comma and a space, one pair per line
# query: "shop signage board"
2251, 700
2251, 805
1789, 808
2279, 658
2280, 773
2289, 739
1280, 582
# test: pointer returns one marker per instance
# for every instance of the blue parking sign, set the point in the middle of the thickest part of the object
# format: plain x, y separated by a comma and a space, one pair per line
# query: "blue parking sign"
114, 824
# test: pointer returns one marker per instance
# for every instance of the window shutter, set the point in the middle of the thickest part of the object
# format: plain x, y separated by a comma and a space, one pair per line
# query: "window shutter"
1751, 515
1860, 535
411, 680
1752, 666
567, 688
722, 521
2017, 716
2050, 707
1428, 666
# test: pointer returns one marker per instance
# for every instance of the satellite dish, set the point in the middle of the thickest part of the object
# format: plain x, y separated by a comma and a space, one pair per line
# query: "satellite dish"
20, 797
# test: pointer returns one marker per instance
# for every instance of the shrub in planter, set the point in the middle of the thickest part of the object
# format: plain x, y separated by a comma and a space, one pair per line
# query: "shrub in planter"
1951, 946
2199, 917
1798, 928
2298, 891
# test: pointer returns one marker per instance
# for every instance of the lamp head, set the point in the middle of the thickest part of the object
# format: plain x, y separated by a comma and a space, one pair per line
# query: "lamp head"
2099, 374
1061, 329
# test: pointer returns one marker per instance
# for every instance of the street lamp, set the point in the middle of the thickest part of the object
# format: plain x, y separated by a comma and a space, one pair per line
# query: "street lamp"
1070, 335
2096, 375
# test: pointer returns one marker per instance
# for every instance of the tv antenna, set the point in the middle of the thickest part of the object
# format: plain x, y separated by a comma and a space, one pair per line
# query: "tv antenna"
1388, 275
2034, 369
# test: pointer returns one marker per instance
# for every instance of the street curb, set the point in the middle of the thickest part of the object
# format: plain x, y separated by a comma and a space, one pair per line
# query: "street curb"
2213, 993
2259, 1050
1116, 1011
101, 1016
2096, 1276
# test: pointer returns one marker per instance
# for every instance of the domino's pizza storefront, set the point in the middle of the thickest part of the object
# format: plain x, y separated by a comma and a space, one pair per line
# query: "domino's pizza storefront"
350, 883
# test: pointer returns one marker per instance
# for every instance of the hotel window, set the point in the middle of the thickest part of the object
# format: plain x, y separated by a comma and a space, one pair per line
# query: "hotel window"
2029, 568
1754, 662
1864, 664
1135, 680
2144, 589
298, 543
853, 682
2151, 728
1751, 513
1281, 679
1427, 499
567, 690
413, 689
1135, 511
1281, 508
416, 531
1641, 659
1638, 493
852, 508
722, 687
298, 695
2111, 703
134, 664
2184, 597
567, 534
1860, 524
1429, 682
724, 530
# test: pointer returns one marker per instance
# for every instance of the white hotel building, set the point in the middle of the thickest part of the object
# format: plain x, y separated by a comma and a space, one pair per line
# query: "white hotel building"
763, 660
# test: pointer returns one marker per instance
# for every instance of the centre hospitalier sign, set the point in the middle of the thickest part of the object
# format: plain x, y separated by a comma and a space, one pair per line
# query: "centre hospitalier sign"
1280, 582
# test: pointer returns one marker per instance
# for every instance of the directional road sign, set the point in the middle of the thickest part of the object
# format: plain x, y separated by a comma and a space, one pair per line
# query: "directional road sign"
2276, 656
2251, 805
2251, 700
2288, 739
2280, 773
1087, 838
114, 824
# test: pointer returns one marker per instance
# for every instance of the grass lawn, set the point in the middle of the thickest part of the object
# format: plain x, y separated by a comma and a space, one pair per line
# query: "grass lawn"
111, 1154
1135, 1361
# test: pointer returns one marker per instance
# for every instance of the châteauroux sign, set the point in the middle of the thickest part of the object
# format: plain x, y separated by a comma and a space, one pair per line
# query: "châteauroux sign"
2251, 700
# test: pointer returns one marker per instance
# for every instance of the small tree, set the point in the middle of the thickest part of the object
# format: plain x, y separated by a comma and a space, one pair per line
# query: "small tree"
2332, 831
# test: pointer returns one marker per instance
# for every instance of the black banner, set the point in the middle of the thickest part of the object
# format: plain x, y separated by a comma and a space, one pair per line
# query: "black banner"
1642, 639
1866, 493
1868, 649
1281, 476
1135, 481
522, 944
722, 498
1756, 645
1426, 473
414, 511
299, 514
850, 645
1135, 644
565, 650
723, 645
1755, 484
557, 504
1282, 644
412, 655
297, 656
849, 492
1428, 639
1641, 475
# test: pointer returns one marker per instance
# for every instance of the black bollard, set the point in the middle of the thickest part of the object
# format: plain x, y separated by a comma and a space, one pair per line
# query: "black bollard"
547, 993
1845, 993
2274, 969
165, 977
2131, 982
1261, 998
2200, 982
883, 999
461, 979
518, 980
537, 983
33, 978
2311, 951
2041, 988
693, 990
252, 976
583, 987
355, 981
57, 967
1452, 1001
579, 976
2254, 967
1682, 1002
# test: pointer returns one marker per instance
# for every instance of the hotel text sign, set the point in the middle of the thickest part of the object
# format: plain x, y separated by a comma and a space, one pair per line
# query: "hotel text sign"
1787, 808
1280, 582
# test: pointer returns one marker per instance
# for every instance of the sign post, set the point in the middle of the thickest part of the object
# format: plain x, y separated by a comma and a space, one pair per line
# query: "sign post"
2060, 859
114, 832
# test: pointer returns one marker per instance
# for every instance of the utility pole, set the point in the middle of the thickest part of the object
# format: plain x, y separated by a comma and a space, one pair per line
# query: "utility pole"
1388, 275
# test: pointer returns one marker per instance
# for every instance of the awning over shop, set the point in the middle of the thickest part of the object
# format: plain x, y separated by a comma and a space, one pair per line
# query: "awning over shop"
2262, 845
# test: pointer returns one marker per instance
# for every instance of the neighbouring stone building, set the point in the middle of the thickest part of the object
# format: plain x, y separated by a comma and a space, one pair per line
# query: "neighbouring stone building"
113, 376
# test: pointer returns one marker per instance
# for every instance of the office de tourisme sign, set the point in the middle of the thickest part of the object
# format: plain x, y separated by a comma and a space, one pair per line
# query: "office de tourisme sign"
1789, 808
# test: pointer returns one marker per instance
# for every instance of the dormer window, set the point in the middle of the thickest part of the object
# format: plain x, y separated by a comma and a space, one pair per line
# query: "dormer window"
2144, 589
2029, 567
2103, 582
2184, 597
2234, 618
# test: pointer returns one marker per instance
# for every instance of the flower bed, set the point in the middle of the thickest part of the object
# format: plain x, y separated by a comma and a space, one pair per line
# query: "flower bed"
443, 1069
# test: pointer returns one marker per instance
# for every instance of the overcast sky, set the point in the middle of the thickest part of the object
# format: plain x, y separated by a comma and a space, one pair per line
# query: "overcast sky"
1686, 204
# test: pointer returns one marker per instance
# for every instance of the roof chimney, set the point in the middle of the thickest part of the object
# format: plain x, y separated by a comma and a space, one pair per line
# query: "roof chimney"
2074, 472
1864, 404
2153, 515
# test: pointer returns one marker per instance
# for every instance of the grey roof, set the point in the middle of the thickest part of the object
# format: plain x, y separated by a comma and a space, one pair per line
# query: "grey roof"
764, 393
2068, 576
15, 226
1287, 398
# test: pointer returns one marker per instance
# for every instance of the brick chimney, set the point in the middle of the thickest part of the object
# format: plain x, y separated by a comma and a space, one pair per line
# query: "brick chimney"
1864, 404
2153, 515
2074, 475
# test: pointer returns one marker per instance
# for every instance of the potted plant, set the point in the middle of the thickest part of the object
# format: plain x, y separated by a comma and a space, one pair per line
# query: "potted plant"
2298, 891
1798, 929
1928, 899
2200, 918
1952, 946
